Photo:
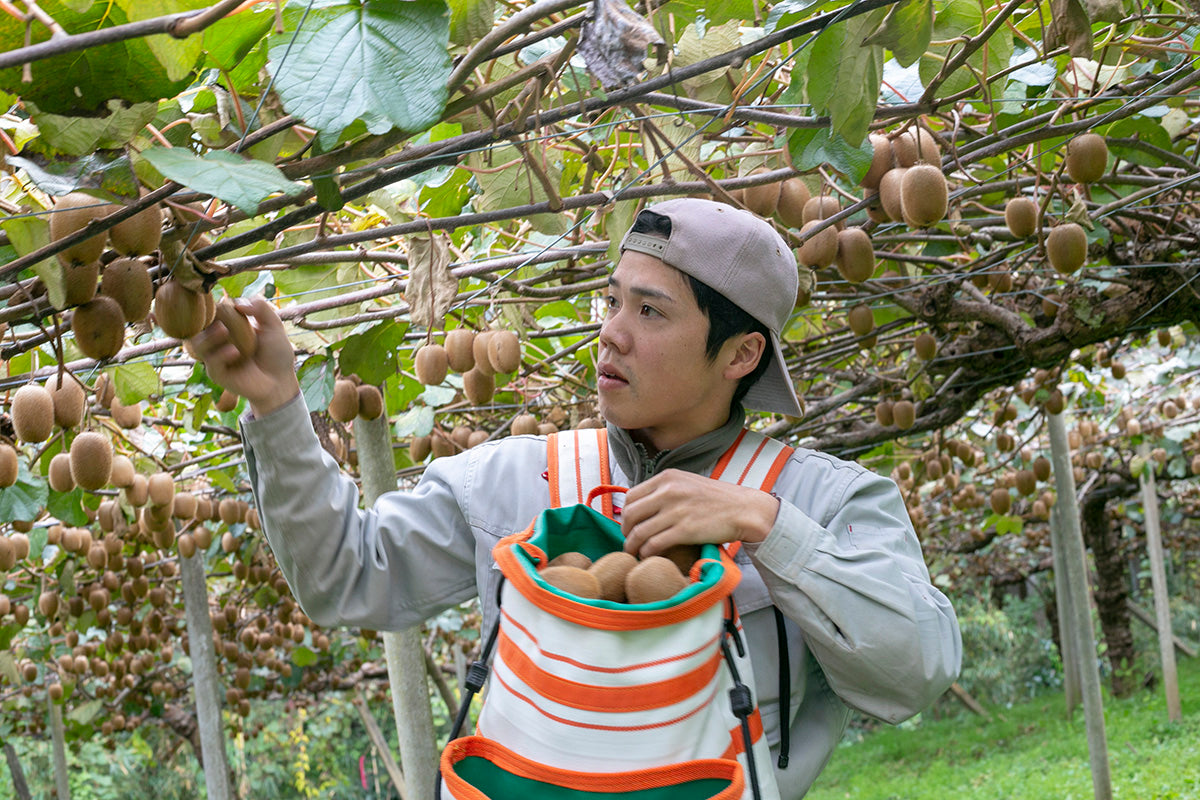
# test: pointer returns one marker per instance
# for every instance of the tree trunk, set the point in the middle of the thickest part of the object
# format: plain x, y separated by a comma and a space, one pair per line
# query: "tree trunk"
20, 787
1112, 587
1063, 614
57, 733
1158, 578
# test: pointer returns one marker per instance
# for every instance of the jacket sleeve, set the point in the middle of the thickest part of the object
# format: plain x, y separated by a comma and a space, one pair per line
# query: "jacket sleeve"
385, 568
843, 562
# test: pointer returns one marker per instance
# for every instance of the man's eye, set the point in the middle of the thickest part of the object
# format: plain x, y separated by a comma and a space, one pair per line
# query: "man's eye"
649, 310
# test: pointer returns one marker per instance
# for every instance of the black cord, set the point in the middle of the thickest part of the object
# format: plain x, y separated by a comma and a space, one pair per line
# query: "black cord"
785, 689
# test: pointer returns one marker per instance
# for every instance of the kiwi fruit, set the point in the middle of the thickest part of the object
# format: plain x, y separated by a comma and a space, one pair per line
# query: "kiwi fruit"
240, 332
69, 399
1066, 247
881, 161
916, 145
504, 351
442, 445
1087, 158
370, 402
479, 349
822, 208
890, 194
524, 424
860, 319
925, 346
99, 327
79, 282
1000, 501
610, 571
72, 213
8, 556
460, 435
762, 199
91, 460
924, 196
10, 465
186, 544
1041, 468
904, 414
226, 402
819, 249
179, 311
572, 580
1020, 215
683, 556
1056, 402
184, 505
460, 354
33, 413
343, 406
479, 386
883, 413
855, 255
227, 511
546, 428
127, 417
477, 437
1118, 370
571, 558
104, 390
793, 194
419, 448
122, 471
137, 493
161, 489
653, 579
59, 473
431, 364
138, 235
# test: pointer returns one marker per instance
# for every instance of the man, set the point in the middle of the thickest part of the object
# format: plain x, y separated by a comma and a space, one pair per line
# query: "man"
696, 305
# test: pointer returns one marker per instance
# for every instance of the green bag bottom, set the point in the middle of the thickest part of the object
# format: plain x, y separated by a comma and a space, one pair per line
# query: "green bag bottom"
499, 784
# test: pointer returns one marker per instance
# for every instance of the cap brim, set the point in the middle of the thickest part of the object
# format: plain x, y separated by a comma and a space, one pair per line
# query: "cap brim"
774, 390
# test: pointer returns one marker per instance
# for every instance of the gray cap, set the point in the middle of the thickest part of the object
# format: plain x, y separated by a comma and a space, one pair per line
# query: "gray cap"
742, 257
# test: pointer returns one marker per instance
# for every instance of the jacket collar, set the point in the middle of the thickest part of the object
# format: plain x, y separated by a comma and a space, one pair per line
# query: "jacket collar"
699, 455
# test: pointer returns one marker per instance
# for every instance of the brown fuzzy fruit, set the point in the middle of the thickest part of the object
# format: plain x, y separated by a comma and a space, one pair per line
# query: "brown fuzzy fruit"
571, 558
524, 424
161, 489
370, 402
916, 145
860, 319
653, 579
1026, 482
138, 235
683, 556
1066, 247
610, 571
226, 402
99, 328
79, 282
430, 364
91, 460
179, 311
137, 493
477, 438
1001, 501
1041, 468
59, 473
69, 399
71, 213
460, 354
33, 413
479, 386
442, 445
822, 208
572, 580
419, 448
1087, 158
240, 332
127, 417
883, 413
762, 199
855, 255
924, 196
1020, 215
904, 414
890, 195
479, 349
343, 406
504, 351
819, 249
1056, 402
925, 346
10, 466
184, 505
793, 194
122, 471
881, 161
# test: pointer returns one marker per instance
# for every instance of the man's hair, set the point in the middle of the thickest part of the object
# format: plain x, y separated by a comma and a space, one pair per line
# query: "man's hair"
725, 320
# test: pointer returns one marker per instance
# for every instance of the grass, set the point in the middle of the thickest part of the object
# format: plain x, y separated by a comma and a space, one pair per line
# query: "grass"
1027, 751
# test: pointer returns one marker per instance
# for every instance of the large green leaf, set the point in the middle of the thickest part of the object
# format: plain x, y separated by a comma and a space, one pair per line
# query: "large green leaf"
230, 177
177, 56
906, 30
844, 75
955, 19
812, 147
228, 41
383, 63
134, 382
715, 11
371, 355
77, 136
470, 20
66, 507
26, 498
80, 82
105, 173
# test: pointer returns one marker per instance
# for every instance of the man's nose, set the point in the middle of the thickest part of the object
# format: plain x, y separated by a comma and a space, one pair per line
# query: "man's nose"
612, 331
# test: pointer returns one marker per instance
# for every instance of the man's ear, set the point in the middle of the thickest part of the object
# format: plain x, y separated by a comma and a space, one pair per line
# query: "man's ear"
743, 354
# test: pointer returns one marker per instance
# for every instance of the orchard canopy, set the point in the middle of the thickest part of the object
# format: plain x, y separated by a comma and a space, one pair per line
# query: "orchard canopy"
993, 206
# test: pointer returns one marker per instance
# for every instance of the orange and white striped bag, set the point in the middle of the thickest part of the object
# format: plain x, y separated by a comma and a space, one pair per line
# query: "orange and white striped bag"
592, 693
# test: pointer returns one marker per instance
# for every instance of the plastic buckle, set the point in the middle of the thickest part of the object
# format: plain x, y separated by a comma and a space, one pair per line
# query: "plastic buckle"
741, 701
477, 675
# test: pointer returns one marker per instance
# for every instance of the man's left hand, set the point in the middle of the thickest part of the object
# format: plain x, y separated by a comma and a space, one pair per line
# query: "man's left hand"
677, 507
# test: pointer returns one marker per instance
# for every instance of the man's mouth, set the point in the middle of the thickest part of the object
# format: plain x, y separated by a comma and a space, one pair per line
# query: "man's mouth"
610, 375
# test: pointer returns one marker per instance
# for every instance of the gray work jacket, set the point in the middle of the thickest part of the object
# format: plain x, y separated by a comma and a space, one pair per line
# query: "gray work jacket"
866, 627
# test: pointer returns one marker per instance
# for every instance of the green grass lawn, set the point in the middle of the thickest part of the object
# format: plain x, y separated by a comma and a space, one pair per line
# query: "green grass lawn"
1027, 751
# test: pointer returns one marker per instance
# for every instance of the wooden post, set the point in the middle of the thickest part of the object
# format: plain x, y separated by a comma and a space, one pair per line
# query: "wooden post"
1158, 581
205, 683
380, 744
1146, 618
20, 787
57, 733
1062, 600
404, 649
1080, 624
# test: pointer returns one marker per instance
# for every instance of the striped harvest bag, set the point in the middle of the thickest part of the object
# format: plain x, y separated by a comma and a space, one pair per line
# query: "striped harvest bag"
614, 699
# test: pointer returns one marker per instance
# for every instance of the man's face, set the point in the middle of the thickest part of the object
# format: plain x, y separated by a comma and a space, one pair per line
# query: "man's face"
653, 375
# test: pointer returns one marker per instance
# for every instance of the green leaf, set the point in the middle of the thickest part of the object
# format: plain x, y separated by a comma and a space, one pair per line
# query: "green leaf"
954, 20
417, 421
812, 147
1148, 130
372, 354
788, 12
906, 30
221, 480
177, 56
470, 20
134, 382
77, 136
107, 174
85, 713
228, 41
67, 507
316, 381
26, 498
383, 63
227, 176
303, 656
844, 75
715, 11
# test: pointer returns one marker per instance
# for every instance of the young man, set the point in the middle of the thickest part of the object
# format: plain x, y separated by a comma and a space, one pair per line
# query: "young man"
695, 309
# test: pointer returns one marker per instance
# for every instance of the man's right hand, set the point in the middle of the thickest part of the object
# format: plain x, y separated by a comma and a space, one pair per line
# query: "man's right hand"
268, 379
